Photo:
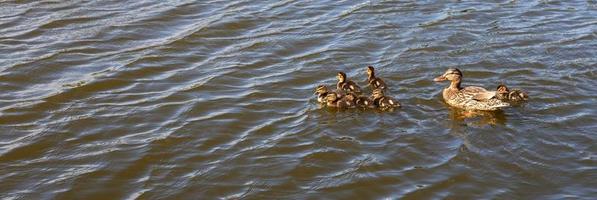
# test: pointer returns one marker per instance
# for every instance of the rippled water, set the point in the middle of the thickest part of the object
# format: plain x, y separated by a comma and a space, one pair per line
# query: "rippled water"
214, 99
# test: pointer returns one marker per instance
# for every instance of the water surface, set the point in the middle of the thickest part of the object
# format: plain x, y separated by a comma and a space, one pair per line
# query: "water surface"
213, 99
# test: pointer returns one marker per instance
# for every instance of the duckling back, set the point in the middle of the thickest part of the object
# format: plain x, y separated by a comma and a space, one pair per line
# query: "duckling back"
364, 102
517, 95
505, 94
377, 83
385, 103
349, 86
344, 103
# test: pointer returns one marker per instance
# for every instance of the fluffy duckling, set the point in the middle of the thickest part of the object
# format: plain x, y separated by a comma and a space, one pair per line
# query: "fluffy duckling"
333, 101
503, 93
374, 82
360, 101
322, 92
468, 98
518, 95
346, 85
383, 102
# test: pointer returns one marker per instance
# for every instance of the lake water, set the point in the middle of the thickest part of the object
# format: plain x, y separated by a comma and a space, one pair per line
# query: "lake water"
214, 100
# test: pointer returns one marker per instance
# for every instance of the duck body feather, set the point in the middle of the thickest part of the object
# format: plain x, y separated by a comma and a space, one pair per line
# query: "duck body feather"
385, 103
322, 97
515, 95
518, 95
473, 98
377, 83
348, 86
468, 98
364, 102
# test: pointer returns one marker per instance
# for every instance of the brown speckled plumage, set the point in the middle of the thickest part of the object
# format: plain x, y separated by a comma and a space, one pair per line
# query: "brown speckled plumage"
373, 81
505, 94
383, 102
322, 92
346, 85
468, 98
360, 101
334, 101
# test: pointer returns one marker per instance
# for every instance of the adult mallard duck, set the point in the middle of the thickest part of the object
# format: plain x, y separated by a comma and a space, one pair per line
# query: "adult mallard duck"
374, 82
505, 94
322, 92
383, 102
346, 85
468, 98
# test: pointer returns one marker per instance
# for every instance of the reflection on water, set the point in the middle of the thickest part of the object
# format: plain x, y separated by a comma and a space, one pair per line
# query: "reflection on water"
476, 117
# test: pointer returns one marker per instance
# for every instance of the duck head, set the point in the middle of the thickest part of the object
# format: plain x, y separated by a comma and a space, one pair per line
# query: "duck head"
453, 75
341, 76
370, 71
321, 89
502, 92
502, 89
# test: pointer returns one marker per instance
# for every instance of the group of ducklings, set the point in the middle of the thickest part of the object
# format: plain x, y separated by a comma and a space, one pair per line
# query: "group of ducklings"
349, 95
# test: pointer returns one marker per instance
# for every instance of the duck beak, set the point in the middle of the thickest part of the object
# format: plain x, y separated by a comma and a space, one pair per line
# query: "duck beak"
439, 78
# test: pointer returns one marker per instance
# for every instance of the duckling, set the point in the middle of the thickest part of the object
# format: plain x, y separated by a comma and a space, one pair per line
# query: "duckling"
383, 102
505, 94
518, 95
346, 85
360, 101
502, 92
322, 91
333, 101
468, 98
374, 82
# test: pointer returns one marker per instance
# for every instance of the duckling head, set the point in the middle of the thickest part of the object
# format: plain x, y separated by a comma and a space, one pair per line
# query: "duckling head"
341, 76
502, 89
370, 71
452, 74
320, 89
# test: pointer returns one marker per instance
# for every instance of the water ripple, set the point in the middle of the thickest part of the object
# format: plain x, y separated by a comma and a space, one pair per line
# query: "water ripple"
155, 100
